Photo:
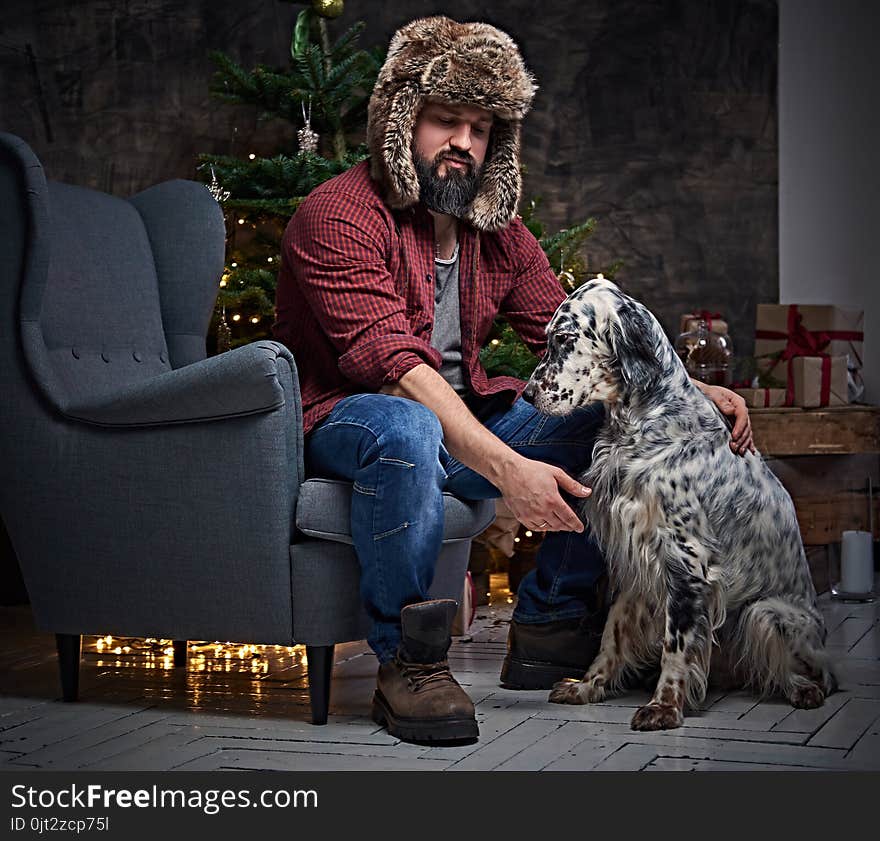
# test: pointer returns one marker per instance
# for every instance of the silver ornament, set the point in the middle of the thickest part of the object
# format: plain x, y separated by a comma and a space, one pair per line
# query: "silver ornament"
307, 137
214, 188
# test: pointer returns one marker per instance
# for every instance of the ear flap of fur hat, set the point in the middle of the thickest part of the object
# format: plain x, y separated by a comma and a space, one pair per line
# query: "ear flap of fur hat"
463, 64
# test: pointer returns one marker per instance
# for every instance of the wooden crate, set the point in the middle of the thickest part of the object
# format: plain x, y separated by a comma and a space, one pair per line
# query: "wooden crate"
832, 431
824, 459
823, 519
830, 492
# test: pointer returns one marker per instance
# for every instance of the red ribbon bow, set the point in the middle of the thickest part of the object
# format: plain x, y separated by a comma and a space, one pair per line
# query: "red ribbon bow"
707, 316
803, 342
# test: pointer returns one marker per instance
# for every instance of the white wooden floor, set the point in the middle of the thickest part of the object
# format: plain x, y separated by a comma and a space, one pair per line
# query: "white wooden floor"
138, 713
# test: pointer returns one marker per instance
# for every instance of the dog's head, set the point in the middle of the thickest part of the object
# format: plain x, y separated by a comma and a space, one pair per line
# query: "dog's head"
601, 346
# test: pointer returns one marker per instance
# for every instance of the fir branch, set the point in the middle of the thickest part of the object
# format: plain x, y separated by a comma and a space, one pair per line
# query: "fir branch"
566, 241
272, 207
505, 355
281, 177
345, 42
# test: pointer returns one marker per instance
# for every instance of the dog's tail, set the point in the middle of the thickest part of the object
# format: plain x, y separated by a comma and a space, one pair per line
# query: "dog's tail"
778, 647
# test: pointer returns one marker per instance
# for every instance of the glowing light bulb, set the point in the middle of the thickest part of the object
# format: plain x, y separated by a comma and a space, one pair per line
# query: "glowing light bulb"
236, 317
241, 221
254, 320
516, 540
268, 259
252, 156
234, 265
528, 534
496, 342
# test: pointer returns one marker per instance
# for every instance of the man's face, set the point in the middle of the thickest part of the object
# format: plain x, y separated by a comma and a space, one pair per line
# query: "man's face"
449, 147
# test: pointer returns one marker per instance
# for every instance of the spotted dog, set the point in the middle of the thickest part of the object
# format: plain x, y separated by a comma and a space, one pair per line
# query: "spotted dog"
703, 548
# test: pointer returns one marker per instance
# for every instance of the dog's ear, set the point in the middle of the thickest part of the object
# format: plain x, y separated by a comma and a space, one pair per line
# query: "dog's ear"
635, 348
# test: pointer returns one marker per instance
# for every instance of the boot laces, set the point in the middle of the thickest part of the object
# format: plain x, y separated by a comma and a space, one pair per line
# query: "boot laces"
419, 675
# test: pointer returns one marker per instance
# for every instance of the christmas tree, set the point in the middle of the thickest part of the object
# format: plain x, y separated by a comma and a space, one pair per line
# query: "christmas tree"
323, 94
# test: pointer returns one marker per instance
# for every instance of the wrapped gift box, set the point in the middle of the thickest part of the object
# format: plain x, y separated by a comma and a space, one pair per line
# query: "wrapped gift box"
691, 320
762, 397
813, 387
810, 330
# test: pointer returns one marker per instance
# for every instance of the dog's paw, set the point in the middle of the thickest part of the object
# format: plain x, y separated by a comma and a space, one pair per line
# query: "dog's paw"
807, 697
567, 692
576, 692
657, 717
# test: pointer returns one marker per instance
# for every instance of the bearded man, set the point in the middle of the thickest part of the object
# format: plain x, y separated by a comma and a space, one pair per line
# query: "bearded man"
392, 275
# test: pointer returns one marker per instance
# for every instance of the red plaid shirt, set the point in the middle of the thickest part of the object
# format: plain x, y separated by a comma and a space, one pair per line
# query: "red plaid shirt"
355, 297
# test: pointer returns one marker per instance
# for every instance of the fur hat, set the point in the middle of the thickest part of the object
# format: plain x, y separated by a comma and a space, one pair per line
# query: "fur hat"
463, 64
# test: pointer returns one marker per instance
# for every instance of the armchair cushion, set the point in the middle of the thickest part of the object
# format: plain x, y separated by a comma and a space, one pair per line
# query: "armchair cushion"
324, 511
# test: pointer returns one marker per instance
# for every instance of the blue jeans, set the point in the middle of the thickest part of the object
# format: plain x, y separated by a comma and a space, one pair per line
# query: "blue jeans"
392, 450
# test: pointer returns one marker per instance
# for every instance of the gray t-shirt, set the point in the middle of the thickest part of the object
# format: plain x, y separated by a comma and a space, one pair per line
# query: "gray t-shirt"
446, 335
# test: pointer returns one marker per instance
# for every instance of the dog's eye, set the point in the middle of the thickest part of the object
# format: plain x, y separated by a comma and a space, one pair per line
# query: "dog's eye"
565, 339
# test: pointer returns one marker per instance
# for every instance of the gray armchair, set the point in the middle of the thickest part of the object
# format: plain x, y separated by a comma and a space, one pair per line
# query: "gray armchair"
148, 490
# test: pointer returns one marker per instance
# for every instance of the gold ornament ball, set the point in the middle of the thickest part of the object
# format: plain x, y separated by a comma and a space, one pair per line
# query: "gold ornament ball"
328, 8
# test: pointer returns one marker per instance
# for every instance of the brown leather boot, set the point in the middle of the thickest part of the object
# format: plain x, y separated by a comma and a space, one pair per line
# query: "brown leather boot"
417, 699
539, 655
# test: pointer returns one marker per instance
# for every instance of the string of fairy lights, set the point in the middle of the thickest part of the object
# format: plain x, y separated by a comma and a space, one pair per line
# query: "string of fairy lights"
202, 656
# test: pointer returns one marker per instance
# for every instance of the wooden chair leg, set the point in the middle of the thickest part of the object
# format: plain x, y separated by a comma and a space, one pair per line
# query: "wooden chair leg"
69, 652
320, 665
180, 653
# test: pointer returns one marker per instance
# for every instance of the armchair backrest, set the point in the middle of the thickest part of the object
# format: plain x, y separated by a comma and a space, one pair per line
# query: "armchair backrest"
98, 323
110, 291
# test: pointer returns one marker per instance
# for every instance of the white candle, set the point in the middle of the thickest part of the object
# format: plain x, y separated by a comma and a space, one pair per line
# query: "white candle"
857, 562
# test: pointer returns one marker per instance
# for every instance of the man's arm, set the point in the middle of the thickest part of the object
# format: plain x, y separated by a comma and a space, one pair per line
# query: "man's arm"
530, 488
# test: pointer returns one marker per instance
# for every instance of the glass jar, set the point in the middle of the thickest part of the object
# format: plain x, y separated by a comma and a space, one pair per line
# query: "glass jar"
706, 355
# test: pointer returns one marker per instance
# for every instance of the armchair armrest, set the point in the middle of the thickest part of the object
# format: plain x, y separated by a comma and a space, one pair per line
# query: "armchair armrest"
244, 381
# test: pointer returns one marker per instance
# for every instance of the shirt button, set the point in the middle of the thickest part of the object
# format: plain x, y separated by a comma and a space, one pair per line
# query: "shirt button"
429, 277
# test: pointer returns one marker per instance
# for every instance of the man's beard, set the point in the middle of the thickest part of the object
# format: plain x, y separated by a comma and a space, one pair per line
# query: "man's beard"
453, 193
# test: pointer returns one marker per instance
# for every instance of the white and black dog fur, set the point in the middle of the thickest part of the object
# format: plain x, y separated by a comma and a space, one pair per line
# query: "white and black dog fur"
702, 545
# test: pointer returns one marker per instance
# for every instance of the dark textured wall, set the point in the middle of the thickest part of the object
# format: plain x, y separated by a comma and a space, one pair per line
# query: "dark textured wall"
656, 117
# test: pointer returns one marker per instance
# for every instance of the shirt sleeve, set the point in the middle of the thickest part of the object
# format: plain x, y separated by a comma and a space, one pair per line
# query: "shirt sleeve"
535, 294
336, 247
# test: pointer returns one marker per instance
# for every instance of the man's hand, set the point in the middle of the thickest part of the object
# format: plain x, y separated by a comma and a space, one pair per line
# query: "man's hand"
731, 404
530, 488
531, 491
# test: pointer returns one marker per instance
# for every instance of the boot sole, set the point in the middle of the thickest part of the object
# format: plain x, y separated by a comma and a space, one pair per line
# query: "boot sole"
534, 674
430, 730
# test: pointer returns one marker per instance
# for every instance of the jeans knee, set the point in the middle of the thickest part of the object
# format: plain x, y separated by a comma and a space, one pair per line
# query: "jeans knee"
412, 433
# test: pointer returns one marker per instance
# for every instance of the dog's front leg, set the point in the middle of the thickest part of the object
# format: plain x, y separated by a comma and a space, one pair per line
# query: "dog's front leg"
686, 644
627, 643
